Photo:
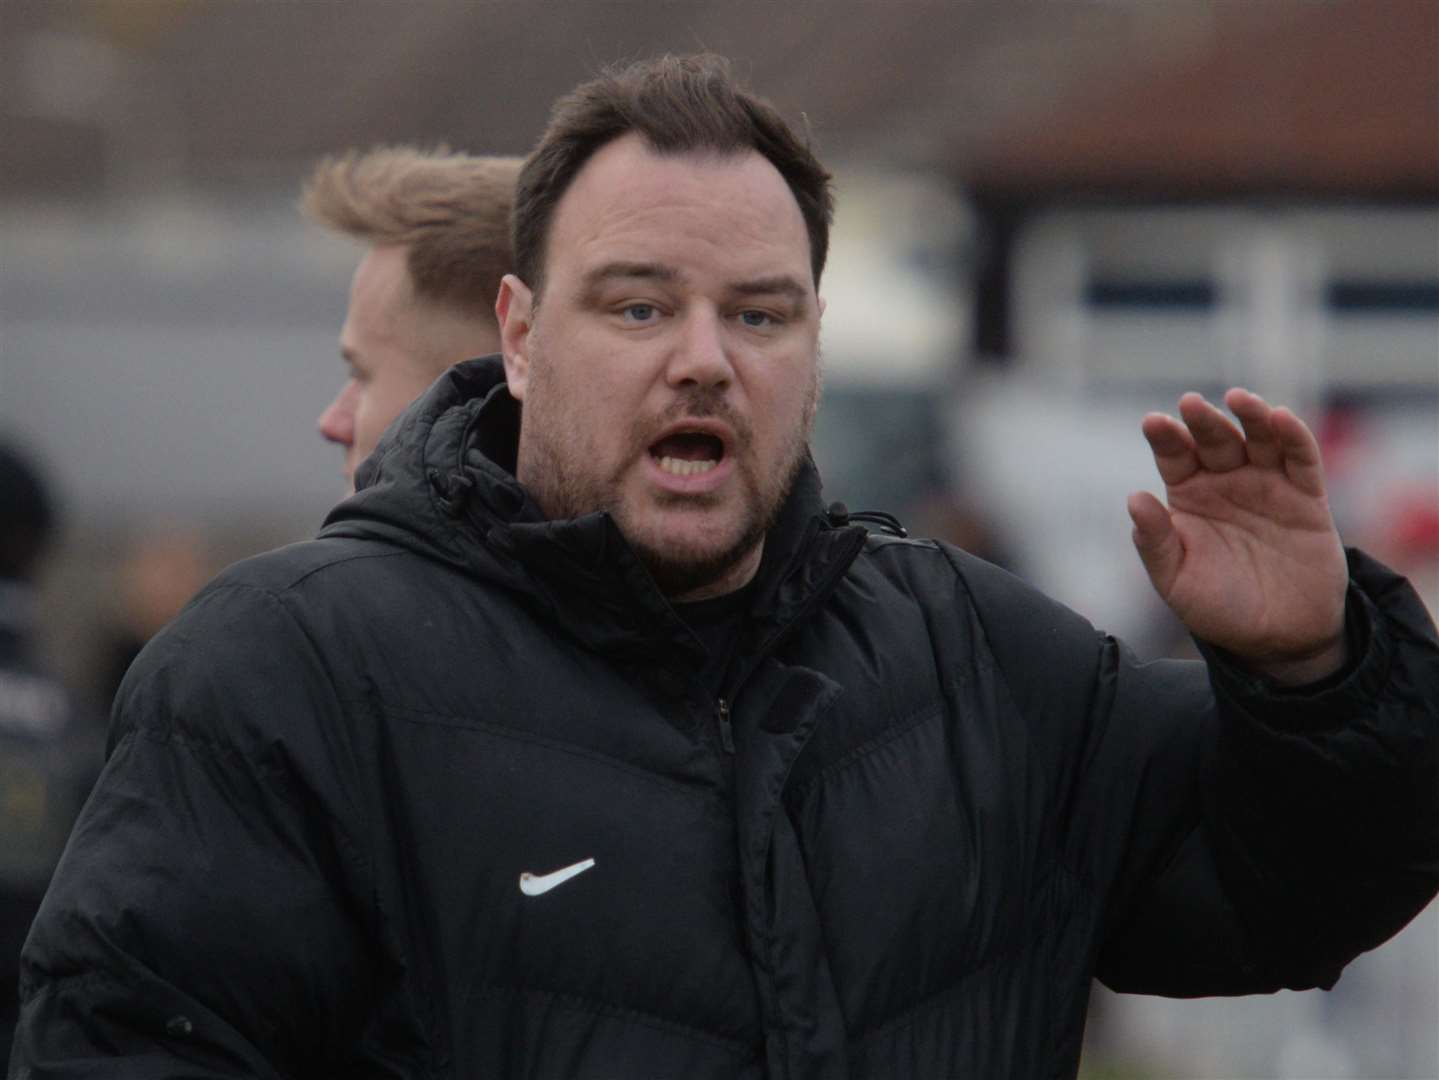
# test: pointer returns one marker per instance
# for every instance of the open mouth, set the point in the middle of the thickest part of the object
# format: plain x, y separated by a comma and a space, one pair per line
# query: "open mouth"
688, 453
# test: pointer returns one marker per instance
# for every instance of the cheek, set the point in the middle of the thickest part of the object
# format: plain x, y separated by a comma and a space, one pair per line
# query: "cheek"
597, 408
790, 407
385, 398
372, 414
371, 402
606, 424
365, 430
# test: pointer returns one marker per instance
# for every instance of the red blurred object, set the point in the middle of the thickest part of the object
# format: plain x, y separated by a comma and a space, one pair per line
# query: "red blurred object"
1414, 526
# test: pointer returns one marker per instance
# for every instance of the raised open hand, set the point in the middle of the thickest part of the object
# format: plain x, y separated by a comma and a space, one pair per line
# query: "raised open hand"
1246, 554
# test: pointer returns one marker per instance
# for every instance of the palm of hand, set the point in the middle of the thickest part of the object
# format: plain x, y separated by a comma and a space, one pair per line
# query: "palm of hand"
1246, 553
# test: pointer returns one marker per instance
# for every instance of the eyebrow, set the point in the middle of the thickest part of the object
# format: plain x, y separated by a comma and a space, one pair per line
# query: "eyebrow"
776, 285
779, 285
612, 271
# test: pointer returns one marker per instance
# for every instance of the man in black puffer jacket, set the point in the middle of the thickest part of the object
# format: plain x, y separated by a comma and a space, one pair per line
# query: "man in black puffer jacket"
584, 742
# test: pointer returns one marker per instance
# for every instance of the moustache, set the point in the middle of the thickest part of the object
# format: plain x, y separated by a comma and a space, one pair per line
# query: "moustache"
701, 403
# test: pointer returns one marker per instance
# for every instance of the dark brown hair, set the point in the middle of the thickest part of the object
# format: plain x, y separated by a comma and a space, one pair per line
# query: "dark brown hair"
677, 104
450, 211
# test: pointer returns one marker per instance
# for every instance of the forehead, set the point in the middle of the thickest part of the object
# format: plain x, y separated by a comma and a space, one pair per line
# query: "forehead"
704, 214
382, 297
382, 275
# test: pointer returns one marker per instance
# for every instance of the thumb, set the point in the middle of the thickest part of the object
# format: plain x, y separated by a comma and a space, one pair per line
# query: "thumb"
1156, 540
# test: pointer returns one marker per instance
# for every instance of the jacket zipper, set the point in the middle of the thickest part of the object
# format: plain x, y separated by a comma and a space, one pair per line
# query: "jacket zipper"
841, 564
726, 729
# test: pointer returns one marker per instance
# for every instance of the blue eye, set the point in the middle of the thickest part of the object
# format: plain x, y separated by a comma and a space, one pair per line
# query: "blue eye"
641, 313
756, 319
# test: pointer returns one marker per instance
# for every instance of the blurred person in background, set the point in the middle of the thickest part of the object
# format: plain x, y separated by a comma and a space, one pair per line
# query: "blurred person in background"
423, 296
585, 741
162, 568
49, 746
437, 226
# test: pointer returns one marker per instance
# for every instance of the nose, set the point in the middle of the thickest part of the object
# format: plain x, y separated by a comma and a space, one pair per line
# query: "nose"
337, 422
701, 354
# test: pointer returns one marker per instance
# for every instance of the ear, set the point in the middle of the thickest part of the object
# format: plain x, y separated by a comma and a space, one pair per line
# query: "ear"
514, 309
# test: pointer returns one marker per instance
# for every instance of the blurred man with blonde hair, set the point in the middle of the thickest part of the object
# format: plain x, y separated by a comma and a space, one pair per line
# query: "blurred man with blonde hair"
423, 297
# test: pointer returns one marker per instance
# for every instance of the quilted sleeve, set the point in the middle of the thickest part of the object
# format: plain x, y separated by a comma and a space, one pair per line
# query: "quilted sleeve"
203, 921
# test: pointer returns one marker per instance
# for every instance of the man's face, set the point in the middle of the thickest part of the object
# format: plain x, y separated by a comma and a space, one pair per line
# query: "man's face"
670, 373
395, 344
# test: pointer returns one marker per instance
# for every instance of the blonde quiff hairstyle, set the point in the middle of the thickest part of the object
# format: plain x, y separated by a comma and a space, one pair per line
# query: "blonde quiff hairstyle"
451, 211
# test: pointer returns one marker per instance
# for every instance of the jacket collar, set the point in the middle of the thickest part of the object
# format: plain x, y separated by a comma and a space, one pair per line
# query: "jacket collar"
442, 480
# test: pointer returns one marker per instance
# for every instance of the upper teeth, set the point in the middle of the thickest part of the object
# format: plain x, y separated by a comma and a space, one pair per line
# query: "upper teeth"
681, 467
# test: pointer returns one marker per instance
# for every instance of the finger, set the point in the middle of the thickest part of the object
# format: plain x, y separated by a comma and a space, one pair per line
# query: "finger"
1261, 443
1218, 442
1303, 463
1156, 540
1172, 446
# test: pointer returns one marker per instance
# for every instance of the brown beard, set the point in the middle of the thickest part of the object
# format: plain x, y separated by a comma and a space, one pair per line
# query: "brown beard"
677, 576
676, 572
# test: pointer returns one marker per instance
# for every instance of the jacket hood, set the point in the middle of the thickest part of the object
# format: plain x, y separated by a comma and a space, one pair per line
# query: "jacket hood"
426, 463
441, 483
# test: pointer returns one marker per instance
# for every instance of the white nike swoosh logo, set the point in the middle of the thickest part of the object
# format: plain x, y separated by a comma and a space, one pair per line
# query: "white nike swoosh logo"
535, 884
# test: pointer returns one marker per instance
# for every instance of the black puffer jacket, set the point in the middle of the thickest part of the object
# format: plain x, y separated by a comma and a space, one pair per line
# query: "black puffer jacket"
950, 802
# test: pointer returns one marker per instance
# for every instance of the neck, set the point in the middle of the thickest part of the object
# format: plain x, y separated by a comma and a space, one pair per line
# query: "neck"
740, 574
